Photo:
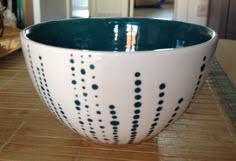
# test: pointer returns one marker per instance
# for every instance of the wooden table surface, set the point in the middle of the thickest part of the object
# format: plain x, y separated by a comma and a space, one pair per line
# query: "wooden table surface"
10, 41
28, 132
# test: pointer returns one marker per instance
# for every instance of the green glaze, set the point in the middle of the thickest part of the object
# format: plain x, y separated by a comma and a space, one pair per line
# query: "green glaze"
110, 34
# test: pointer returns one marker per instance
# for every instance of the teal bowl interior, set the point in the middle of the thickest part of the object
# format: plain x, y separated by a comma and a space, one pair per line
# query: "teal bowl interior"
118, 34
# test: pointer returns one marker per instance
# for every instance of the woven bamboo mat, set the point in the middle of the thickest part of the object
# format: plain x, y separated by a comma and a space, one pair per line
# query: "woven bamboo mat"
28, 132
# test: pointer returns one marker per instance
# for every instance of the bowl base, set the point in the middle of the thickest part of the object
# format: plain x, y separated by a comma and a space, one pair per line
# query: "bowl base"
149, 140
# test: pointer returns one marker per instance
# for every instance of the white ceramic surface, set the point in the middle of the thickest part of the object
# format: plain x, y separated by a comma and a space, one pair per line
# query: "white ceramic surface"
117, 98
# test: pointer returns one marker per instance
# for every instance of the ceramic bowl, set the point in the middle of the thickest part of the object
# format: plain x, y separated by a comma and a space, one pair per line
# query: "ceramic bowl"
117, 80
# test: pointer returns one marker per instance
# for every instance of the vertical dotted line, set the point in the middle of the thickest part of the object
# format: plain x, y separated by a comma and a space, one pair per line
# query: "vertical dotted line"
115, 124
47, 95
137, 106
34, 74
101, 126
77, 102
95, 88
158, 109
45, 91
202, 68
180, 101
83, 74
65, 117
90, 121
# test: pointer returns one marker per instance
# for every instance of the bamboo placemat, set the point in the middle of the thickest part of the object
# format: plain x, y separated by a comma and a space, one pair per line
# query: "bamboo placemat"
28, 132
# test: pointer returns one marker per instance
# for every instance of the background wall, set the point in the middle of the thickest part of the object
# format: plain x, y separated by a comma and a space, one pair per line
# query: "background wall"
193, 11
53, 9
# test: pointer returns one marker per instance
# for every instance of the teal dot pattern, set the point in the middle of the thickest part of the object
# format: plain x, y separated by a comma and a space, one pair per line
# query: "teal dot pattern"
81, 72
44, 92
175, 112
34, 74
159, 108
199, 79
137, 106
114, 123
77, 101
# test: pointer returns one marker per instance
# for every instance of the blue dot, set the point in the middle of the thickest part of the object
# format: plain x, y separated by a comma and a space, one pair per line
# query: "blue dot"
156, 119
137, 90
113, 112
112, 107
138, 97
162, 86
135, 122
77, 102
158, 114
177, 108
200, 76
42, 88
203, 67
82, 71
94, 86
160, 102
90, 120
137, 111
115, 123
136, 117
180, 100
74, 82
198, 82
72, 61
92, 66
138, 82
154, 124
134, 132
161, 94
137, 104
114, 117
170, 121
159, 109
137, 74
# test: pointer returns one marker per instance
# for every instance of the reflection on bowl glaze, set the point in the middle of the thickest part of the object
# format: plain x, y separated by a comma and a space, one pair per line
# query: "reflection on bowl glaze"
117, 80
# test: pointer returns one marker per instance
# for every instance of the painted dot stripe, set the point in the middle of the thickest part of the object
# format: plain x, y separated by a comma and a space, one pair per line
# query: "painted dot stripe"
202, 68
137, 106
159, 108
114, 123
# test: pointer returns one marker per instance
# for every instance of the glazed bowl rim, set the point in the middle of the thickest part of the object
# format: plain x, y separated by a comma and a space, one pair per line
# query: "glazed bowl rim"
213, 38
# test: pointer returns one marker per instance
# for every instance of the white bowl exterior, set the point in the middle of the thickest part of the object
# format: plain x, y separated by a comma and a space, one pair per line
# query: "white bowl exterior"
93, 93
